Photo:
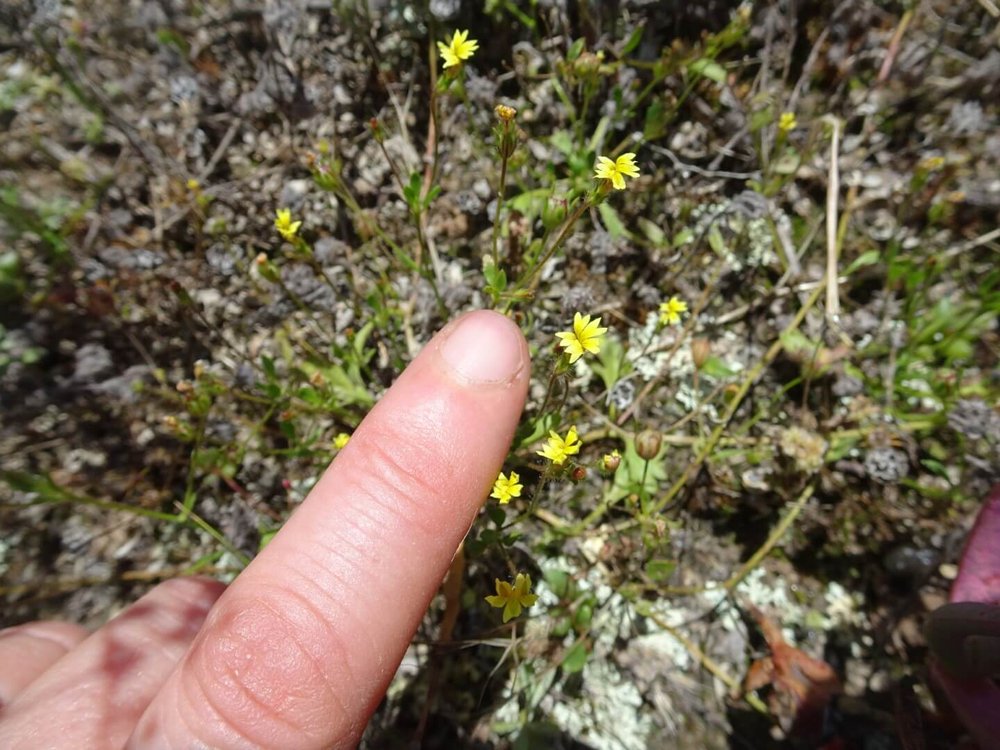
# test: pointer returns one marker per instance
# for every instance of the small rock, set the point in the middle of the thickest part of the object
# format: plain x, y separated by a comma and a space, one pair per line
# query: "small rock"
92, 362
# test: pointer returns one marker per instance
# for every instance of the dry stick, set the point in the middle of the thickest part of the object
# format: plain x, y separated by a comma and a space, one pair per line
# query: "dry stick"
990, 8
706, 661
983, 239
431, 168
773, 538
62, 586
452, 590
893, 49
832, 195
700, 305
755, 559
737, 400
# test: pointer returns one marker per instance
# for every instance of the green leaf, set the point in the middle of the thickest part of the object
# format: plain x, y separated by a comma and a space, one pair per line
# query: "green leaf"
575, 659
558, 581
496, 514
562, 141
534, 430
411, 192
868, 258
613, 222
610, 362
716, 368
660, 570
575, 49
935, 467
683, 237
655, 123
496, 277
708, 68
633, 41
653, 233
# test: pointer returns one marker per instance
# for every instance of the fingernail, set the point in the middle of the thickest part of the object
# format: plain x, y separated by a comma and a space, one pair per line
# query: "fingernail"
484, 347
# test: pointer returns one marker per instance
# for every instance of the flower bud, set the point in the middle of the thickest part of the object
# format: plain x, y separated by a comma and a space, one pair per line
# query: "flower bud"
701, 349
579, 473
647, 444
553, 212
266, 268
611, 461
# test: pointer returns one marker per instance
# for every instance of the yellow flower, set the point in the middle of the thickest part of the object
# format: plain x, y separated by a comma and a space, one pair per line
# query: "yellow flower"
670, 311
558, 450
787, 122
284, 224
341, 440
607, 169
513, 598
585, 337
505, 488
459, 48
505, 113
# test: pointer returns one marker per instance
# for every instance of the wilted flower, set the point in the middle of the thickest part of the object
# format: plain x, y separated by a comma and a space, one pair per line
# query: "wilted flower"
513, 598
617, 170
459, 48
805, 448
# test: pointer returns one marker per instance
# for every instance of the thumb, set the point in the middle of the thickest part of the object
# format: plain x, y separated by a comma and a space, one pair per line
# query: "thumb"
299, 651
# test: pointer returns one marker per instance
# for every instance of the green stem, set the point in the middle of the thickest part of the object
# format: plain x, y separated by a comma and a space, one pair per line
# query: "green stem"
496, 218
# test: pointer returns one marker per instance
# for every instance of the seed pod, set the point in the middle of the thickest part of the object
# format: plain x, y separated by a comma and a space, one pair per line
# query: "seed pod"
647, 444
701, 349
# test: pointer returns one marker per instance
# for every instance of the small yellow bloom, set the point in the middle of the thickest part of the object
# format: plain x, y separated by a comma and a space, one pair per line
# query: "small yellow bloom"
284, 224
787, 122
193, 185
505, 113
513, 598
341, 440
558, 450
670, 311
607, 169
585, 337
505, 488
459, 48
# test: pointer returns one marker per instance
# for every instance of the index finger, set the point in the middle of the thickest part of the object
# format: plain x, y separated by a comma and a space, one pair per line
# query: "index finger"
300, 649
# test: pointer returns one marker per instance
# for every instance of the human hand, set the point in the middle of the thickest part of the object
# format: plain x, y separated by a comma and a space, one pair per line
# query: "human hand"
299, 650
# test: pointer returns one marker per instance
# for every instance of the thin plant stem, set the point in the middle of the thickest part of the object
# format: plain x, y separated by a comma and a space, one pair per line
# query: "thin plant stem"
496, 219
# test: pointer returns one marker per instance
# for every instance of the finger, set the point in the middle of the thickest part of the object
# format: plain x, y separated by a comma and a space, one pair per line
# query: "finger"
94, 695
301, 648
28, 650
